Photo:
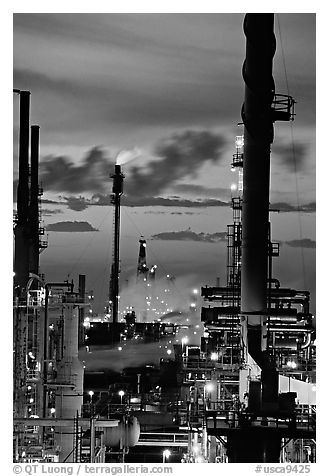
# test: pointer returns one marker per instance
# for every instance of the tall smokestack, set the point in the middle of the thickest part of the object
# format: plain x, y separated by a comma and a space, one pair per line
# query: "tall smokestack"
117, 191
21, 260
258, 136
258, 114
34, 202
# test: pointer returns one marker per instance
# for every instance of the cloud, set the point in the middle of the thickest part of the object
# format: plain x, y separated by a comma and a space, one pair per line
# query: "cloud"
178, 156
185, 213
70, 226
292, 157
62, 175
189, 235
77, 204
148, 201
303, 243
195, 189
287, 207
47, 211
152, 212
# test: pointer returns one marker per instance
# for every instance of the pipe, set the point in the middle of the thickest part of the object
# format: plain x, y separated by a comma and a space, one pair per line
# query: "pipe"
307, 343
82, 292
65, 422
272, 328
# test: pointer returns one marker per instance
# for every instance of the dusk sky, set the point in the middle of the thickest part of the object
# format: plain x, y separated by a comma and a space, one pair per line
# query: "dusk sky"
164, 93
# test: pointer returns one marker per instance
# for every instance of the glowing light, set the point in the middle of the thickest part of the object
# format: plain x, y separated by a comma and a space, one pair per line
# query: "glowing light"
121, 393
184, 340
53, 410
90, 393
119, 348
233, 187
165, 455
209, 387
292, 364
193, 304
214, 356
168, 351
239, 141
195, 291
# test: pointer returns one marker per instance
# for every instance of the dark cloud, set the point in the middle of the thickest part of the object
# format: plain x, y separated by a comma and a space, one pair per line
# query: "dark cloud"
77, 204
185, 213
189, 235
303, 243
287, 207
47, 211
152, 212
179, 156
46, 201
71, 226
168, 202
62, 175
148, 201
292, 157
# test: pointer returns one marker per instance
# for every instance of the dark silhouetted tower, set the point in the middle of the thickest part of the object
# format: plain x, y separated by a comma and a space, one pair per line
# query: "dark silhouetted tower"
21, 260
142, 268
117, 191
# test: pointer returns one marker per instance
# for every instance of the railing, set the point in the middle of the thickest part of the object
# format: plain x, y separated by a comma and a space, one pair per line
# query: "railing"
163, 437
229, 363
300, 419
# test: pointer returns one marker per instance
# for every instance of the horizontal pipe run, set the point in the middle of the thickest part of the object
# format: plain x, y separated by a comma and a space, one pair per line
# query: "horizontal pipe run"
64, 422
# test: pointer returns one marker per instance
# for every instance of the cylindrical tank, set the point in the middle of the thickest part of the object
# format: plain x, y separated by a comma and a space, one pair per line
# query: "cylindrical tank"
69, 393
285, 343
126, 434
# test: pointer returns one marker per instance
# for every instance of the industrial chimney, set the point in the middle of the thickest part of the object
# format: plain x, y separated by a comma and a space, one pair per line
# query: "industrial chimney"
117, 191
21, 260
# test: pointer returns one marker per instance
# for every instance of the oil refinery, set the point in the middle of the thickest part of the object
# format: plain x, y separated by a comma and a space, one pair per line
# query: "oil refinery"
235, 379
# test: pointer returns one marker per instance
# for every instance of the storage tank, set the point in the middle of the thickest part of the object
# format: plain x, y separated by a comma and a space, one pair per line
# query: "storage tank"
126, 434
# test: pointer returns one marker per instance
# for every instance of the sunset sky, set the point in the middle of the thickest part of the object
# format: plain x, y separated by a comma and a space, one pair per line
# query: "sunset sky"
167, 90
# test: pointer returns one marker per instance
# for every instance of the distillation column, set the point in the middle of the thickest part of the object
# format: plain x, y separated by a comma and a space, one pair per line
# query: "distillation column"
257, 115
69, 382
